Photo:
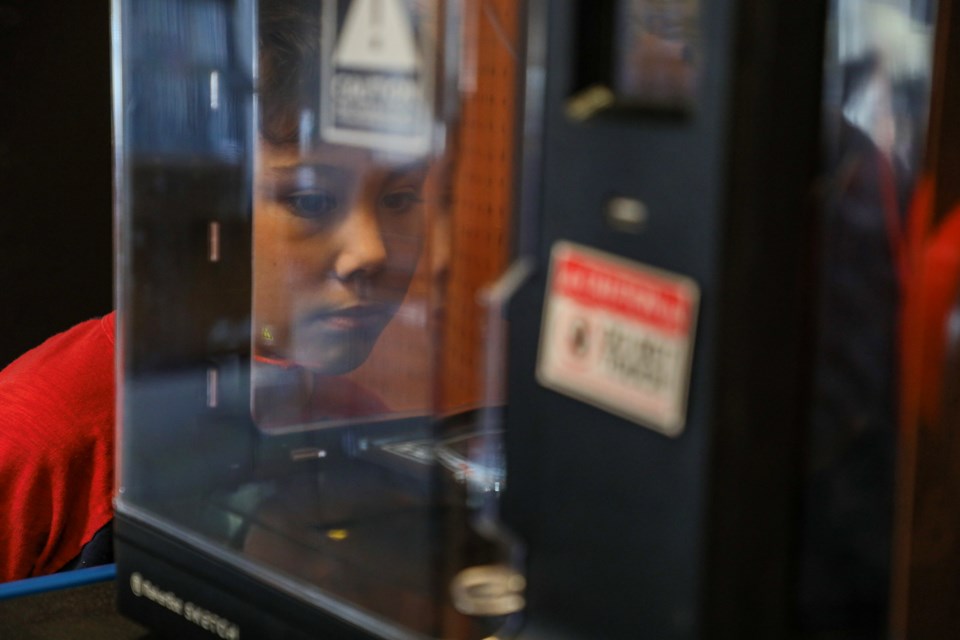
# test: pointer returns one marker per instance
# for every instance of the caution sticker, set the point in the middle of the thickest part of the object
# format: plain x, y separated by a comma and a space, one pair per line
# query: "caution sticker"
619, 335
378, 88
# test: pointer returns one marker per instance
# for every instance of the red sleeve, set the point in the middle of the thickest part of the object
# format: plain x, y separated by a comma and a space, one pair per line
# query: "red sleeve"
56, 449
928, 297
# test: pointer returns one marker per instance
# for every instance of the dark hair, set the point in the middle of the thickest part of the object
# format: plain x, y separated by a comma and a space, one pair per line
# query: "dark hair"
289, 67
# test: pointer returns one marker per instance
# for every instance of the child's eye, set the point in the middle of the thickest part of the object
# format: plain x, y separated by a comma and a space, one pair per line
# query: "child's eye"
312, 204
401, 200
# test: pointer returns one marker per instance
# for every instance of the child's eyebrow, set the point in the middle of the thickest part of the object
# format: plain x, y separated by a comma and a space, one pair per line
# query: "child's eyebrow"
300, 168
308, 170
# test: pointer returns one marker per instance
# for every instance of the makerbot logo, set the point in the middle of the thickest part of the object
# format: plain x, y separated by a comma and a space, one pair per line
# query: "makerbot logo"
206, 620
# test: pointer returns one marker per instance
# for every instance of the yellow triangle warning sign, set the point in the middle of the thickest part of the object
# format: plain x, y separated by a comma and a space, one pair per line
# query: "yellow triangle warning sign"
377, 35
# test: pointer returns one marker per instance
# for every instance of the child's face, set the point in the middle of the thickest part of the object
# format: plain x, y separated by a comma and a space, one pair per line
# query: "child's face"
336, 241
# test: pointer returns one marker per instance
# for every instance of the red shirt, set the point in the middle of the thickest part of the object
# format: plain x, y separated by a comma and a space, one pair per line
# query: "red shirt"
56, 449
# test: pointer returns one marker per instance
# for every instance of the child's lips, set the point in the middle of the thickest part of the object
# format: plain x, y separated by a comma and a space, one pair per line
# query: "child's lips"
350, 318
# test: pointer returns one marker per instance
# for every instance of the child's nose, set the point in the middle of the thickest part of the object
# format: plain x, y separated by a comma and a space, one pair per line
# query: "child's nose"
362, 252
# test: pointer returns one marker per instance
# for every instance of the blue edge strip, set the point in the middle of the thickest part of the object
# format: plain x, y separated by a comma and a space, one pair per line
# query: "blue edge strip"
65, 580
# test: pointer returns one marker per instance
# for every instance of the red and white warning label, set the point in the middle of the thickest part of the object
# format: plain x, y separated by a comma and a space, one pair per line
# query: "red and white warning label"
619, 335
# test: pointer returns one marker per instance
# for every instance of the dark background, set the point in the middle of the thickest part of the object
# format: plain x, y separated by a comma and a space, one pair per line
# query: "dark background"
56, 250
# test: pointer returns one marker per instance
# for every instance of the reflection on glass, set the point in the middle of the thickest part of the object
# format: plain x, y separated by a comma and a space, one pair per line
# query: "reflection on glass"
656, 52
342, 248
876, 86
326, 448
